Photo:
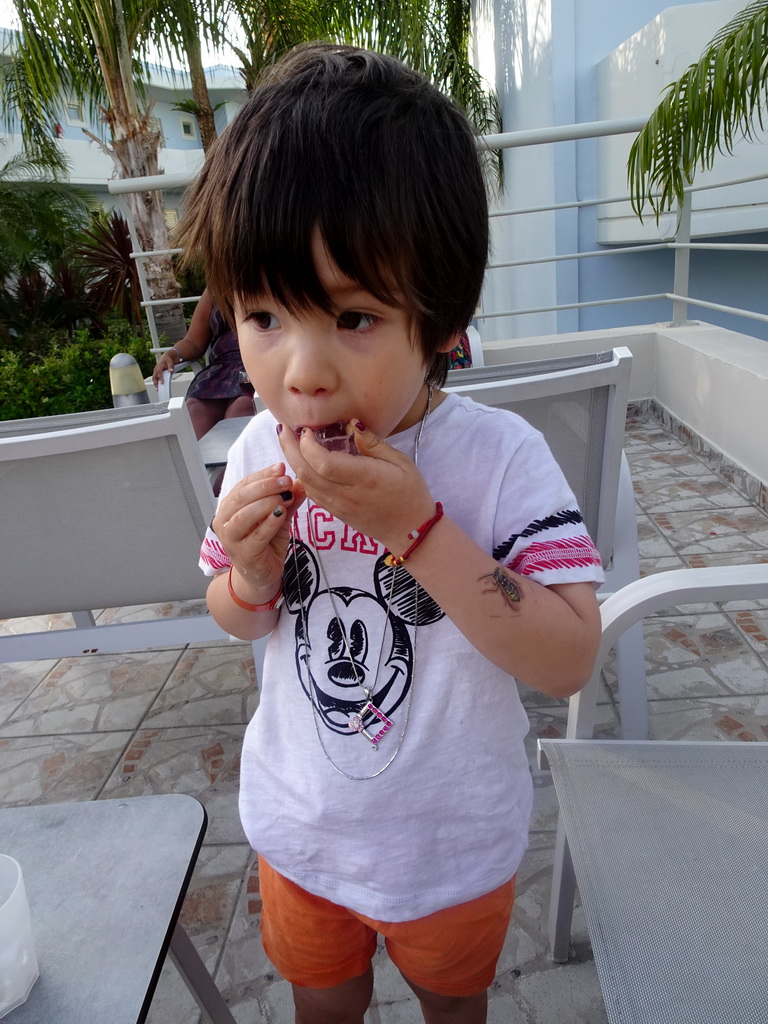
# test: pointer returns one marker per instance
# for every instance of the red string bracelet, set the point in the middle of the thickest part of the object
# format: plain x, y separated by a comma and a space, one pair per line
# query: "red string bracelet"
268, 606
417, 536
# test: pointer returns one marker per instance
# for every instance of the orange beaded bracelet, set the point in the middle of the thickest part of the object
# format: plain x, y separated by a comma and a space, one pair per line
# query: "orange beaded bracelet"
268, 606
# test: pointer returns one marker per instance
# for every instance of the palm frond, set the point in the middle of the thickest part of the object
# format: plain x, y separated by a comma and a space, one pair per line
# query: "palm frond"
718, 100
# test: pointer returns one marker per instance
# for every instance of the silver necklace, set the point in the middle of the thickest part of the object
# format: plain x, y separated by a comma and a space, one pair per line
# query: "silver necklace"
367, 706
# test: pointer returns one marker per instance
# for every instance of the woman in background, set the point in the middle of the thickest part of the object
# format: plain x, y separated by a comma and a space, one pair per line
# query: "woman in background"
215, 393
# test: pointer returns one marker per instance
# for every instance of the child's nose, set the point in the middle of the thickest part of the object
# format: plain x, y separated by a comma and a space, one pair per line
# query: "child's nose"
310, 369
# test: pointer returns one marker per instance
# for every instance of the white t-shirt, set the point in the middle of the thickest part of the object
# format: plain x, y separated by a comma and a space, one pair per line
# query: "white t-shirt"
447, 821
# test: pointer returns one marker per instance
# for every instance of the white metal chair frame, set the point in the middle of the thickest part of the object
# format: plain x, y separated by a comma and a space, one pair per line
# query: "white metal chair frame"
604, 490
99, 510
622, 611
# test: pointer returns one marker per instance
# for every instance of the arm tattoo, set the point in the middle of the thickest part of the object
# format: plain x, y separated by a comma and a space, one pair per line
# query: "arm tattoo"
507, 587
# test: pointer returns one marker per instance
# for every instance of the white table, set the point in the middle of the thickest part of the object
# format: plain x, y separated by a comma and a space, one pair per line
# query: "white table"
669, 842
216, 443
105, 882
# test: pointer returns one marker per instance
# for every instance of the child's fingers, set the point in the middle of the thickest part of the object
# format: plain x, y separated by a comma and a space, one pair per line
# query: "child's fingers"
370, 444
253, 499
290, 446
251, 517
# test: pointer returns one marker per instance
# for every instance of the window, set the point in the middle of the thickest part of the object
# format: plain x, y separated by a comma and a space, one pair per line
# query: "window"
187, 128
171, 218
74, 113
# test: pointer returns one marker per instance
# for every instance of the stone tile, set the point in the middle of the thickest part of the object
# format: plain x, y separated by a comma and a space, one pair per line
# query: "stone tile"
715, 533
36, 624
98, 693
678, 484
551, 722
668, 462
206, 916
698, 656
649, 437
649, 566
251, 985
142, 612
740, 606
57, 769
574, 986
202, 762
653, 544
208, 686
746, 557
710, 718
18, 679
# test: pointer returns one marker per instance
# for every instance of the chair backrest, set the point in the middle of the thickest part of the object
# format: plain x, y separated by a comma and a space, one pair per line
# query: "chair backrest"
579, 403
101, 509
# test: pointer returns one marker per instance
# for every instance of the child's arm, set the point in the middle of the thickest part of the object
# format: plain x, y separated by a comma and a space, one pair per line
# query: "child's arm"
252, 524
195, 342
547, 637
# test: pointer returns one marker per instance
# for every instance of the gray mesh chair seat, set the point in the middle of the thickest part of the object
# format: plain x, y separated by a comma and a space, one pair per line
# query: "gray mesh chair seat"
669, 842
102, 510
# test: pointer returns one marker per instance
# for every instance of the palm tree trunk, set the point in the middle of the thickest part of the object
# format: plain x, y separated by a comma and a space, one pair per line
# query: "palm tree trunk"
135, 155
204, 111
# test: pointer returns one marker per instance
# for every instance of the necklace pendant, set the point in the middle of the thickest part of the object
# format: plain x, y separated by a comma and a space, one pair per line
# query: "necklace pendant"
356, 723
385, 722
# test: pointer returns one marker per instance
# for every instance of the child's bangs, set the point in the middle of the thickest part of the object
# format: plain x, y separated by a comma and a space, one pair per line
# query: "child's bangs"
274, 252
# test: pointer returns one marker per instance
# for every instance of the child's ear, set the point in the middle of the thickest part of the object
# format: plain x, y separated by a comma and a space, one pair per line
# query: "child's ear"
452, 342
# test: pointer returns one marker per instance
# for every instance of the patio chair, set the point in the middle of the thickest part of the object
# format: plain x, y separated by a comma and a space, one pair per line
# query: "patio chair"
579, 404
103, 509
602, 849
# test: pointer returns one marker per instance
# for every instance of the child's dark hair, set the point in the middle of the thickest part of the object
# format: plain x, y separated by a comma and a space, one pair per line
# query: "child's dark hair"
354, 146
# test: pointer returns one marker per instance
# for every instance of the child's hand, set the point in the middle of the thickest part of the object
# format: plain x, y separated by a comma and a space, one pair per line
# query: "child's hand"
382, 495
253, 524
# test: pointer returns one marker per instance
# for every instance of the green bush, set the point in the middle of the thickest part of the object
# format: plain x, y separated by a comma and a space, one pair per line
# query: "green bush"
72, 377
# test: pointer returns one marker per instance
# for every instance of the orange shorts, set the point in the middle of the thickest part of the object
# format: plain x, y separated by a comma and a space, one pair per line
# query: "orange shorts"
317, 944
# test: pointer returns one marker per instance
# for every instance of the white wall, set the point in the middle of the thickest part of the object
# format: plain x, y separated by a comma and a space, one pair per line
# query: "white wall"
713, 380
543, 56
521, 35
629, 83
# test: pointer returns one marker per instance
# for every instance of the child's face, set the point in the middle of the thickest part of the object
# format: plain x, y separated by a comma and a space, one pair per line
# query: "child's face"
315, 369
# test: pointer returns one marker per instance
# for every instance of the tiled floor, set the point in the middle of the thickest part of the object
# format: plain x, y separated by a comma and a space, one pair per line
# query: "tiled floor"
172, 721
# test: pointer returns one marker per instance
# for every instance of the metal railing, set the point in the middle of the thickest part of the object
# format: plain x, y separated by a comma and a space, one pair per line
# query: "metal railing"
680, 244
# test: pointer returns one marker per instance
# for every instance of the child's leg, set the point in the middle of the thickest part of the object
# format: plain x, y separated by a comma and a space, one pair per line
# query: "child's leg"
205, 413
322, 949
451, 1009
343, 1004
240, 406
449, 958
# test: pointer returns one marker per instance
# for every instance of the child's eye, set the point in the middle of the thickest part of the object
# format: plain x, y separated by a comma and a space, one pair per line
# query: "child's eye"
263, 320
354, 321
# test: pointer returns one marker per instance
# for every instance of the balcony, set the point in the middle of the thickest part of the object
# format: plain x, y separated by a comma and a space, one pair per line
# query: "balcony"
172, 720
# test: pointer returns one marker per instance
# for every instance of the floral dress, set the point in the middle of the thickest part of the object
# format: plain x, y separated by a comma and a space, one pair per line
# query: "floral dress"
221, 377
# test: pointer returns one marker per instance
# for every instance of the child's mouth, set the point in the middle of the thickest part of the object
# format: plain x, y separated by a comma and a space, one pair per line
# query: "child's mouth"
334, 437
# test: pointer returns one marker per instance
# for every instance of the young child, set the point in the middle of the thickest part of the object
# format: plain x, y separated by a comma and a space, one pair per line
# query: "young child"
408, 551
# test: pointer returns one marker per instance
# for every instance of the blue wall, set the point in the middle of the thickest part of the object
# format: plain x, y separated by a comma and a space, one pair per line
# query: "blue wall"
583, 33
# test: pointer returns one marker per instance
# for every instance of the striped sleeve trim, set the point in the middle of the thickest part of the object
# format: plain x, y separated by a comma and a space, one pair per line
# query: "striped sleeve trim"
567, 517
213, 557
566, 553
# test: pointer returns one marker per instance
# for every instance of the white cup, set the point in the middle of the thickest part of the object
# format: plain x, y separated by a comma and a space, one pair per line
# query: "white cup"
18, 963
